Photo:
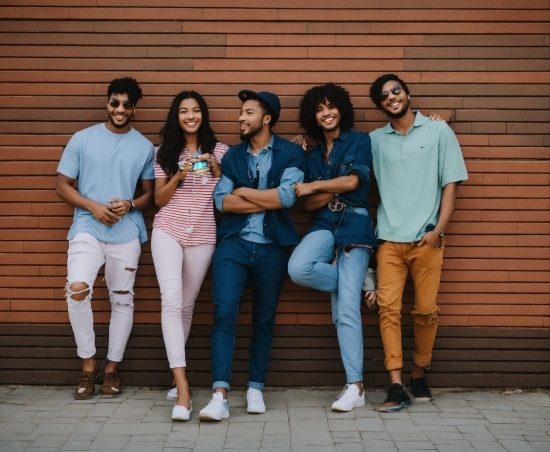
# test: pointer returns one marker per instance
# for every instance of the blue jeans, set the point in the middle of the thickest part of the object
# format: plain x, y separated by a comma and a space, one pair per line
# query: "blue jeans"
310, 266
235, 261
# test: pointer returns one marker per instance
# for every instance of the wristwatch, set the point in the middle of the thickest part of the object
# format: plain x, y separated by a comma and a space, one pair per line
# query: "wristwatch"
132, 205
441, 233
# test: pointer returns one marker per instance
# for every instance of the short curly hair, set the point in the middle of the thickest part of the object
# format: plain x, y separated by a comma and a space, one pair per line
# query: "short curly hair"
126, 85
332, 93
376, 87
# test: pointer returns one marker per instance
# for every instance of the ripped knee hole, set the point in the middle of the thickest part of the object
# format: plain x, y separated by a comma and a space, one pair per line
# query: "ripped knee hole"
78, 291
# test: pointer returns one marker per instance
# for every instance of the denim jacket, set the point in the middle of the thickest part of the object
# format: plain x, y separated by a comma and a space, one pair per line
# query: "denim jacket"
278, 226
351, 154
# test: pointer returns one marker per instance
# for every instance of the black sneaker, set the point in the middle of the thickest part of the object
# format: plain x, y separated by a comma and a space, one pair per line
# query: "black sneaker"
398, 397
420, 390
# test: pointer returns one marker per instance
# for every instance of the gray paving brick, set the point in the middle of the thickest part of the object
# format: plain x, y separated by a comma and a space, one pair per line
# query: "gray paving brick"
414, 445
269, 416
209, 443
517, 446
488, 447
253, 429
150, 446
307, 412
50, 440
136, 429
110, 442
306, 438
370, 425
347, 425
350, 447
277, 428
76, 445
13, 446
382, 436
313, 448
406, 437
378, 444
308, 425
346, 437
454, 448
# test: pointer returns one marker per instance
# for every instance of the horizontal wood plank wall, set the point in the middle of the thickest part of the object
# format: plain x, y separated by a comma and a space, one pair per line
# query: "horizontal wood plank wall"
485, 69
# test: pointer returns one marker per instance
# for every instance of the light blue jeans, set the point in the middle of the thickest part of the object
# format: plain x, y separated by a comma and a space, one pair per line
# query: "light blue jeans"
310, 266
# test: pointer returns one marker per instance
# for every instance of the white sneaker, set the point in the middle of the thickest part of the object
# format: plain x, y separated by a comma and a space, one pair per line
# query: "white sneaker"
255, 401
349, 399
172, 394
180, 413
216, 410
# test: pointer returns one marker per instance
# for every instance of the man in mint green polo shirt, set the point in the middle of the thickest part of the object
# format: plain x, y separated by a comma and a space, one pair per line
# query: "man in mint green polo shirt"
418, 165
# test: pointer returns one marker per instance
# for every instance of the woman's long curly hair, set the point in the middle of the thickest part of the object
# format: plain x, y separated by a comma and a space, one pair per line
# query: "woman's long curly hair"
172, 138
332, 93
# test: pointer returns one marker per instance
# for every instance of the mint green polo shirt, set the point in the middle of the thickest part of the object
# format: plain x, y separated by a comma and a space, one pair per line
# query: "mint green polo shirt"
411, 171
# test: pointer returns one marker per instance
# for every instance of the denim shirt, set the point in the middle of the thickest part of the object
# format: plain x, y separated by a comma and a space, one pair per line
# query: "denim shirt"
351, 154
259, 166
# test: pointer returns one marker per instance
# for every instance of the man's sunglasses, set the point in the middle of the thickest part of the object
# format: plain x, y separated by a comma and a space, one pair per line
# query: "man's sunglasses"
396, 90
127, 104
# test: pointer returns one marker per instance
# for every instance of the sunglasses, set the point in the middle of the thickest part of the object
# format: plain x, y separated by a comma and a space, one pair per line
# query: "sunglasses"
396, 90
127, 104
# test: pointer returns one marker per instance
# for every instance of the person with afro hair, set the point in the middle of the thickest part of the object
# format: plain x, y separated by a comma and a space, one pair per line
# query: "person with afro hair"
334, 254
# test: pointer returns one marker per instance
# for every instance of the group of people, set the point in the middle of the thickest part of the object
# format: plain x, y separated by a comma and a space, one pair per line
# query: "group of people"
417, 163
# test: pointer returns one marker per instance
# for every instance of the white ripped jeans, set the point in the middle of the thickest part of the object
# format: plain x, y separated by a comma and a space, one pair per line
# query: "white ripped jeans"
180, 273
86, 255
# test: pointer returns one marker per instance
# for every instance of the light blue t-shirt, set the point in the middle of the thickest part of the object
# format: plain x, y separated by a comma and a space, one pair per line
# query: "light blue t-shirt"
411, 171
108, 165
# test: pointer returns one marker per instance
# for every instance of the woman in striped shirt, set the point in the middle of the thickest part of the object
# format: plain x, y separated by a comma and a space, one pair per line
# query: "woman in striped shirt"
184, 229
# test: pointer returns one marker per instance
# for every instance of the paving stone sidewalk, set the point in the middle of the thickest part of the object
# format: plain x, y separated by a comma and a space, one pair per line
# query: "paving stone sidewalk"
297, 420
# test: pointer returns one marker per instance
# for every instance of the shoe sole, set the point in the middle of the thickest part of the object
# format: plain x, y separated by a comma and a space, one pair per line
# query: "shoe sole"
207, 417
393, 409
76, 397
360, 402
423, 399
109, 396
255, 411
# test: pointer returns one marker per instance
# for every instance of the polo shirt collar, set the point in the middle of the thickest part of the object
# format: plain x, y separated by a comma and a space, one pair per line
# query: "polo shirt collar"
418, 121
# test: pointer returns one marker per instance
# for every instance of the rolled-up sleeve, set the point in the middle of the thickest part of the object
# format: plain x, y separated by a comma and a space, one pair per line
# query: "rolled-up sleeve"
285, 189
223, 188
363, 160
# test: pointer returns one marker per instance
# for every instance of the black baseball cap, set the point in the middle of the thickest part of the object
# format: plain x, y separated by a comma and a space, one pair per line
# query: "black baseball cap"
269, 100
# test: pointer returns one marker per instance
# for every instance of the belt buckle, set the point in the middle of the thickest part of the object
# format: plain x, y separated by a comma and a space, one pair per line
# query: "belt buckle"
335, 205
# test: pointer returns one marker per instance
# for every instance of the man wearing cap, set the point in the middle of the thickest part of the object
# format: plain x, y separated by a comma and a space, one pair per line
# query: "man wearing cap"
254, 242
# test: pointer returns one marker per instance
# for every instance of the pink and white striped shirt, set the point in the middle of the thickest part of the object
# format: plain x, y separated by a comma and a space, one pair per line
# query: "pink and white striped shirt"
189, 215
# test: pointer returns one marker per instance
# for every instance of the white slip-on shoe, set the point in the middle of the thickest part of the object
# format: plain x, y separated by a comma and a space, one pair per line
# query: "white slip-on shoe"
216, 410
180, 413
349, 399
172, 394
255, 401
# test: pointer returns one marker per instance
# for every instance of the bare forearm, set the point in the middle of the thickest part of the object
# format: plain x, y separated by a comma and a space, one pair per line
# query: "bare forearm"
146, 198
72, 196
317, 200
448, 198
237, 204
165, 190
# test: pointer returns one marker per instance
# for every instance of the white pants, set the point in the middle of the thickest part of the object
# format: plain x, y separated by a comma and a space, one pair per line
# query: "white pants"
86, 255
180, 272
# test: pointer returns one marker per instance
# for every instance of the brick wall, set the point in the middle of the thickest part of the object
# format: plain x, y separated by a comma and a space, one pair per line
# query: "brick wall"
484, 69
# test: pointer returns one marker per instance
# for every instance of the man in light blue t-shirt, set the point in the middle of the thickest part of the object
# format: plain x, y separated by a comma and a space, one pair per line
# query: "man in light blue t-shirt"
108, 160
418, 165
